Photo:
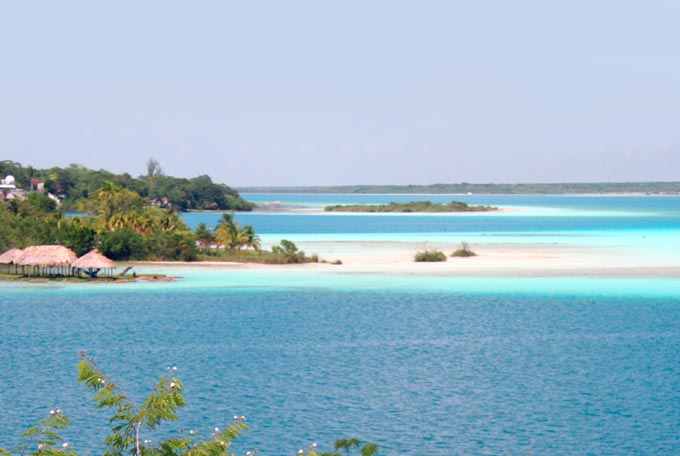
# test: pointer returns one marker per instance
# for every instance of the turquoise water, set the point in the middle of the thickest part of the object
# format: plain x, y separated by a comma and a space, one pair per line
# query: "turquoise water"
644, 225
418, 364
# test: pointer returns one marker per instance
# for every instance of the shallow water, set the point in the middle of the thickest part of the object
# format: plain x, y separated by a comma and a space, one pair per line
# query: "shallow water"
636, 225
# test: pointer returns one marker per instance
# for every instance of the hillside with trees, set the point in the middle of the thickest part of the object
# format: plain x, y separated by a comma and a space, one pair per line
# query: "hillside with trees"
76, 184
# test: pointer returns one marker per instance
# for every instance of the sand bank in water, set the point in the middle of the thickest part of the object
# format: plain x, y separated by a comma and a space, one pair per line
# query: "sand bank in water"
507, 260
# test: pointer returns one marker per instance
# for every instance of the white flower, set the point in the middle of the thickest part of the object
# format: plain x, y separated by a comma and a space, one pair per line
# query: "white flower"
53, 412
172, 384
65, 445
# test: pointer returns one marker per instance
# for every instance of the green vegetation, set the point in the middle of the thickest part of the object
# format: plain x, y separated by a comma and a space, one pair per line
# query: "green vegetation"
75, 185
232, 241
124, 227
125, 218
284, 253
494, 189
429, 256
121, 225
132, 424
413, 206
463, 251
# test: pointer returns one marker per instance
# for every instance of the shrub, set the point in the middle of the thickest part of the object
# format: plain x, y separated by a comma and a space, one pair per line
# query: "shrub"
430, 255
463, 251
287, 252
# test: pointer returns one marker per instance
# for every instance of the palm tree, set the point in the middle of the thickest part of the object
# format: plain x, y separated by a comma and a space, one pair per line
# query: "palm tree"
253, 239
105, 196
204, 236
347, 444
231, 235
227, 218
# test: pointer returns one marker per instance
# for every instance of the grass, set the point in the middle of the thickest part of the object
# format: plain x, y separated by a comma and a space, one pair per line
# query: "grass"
255, 256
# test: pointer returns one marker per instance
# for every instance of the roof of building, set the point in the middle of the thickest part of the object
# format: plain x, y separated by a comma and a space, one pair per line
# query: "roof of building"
47, 256
93, 260
11, 256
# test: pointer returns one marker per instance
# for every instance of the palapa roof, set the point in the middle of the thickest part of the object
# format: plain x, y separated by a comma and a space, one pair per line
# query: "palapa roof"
94, 259
11, 256
47, 256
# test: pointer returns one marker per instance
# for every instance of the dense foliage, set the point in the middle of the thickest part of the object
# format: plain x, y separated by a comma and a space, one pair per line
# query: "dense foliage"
132, 424
75, 184
413, 206
121, 225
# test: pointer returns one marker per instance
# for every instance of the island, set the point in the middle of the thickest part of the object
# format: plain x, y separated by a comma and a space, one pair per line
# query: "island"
413, 206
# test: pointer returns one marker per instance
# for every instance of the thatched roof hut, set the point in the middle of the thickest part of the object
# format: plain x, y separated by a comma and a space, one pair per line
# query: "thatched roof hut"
93, 260
47, 256
11, 256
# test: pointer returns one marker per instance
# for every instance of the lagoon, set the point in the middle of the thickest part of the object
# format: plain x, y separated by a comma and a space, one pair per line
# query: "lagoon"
420, 363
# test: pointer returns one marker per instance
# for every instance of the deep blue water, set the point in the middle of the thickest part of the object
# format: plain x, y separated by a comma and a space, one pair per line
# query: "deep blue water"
420, 365
417, 372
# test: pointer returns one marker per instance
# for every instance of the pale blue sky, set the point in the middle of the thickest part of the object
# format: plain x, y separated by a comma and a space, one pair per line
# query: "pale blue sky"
346, 92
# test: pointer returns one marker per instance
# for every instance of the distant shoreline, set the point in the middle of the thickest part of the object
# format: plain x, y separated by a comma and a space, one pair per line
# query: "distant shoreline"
595, 188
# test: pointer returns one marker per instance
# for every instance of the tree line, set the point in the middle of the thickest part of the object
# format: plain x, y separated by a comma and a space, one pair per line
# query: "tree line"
492, 189
75, 184
124, 226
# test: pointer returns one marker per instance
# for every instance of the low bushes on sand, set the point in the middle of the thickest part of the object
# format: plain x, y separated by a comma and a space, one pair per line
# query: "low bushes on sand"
463, 251
429, 256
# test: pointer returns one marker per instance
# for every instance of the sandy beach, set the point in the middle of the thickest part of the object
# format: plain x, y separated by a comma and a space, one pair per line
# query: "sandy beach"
507, 260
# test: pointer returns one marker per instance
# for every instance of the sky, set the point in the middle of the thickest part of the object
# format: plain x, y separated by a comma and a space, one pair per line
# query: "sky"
276, 93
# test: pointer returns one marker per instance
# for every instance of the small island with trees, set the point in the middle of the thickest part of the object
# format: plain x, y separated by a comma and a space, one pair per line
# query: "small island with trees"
413, 206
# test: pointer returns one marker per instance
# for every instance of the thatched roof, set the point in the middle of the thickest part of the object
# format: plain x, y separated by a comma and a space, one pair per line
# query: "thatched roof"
93, 260
11, 256
47, 256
